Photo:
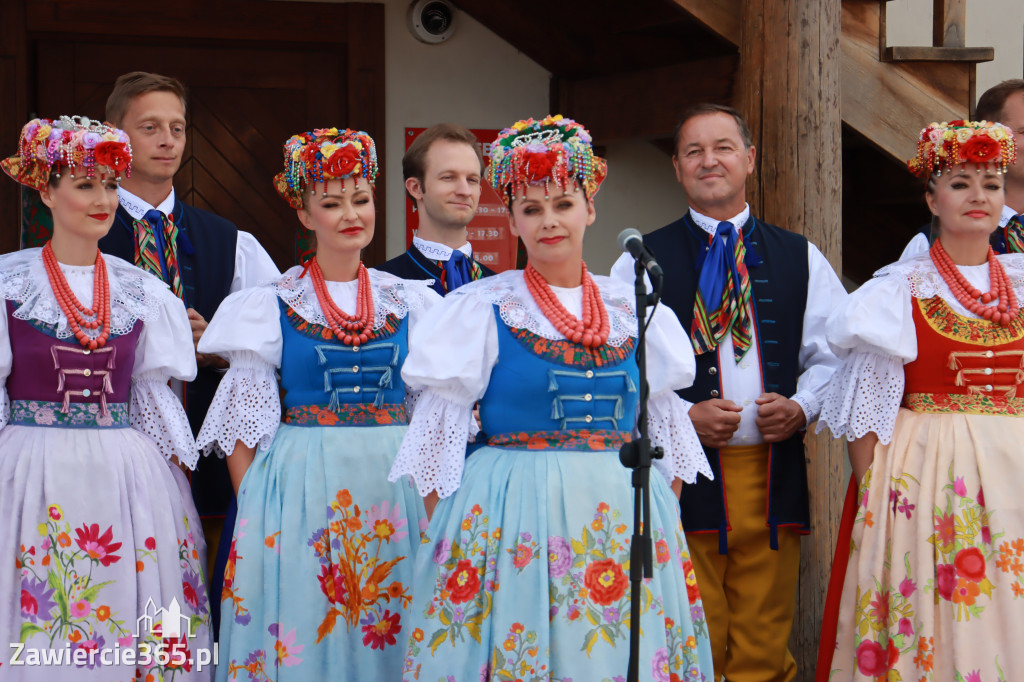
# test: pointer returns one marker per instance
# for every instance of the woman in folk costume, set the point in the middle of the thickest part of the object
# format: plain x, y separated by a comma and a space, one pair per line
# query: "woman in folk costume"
319, 575
99, 530
525, 571
928, 579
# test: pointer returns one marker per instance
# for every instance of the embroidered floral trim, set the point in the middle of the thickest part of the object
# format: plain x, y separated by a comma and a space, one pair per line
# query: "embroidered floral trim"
576, 439
952, 325
79, 415
352, 414
941, 403
321, 331
571, 354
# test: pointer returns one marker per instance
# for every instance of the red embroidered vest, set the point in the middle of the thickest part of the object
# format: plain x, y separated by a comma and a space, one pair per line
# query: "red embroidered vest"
964, 364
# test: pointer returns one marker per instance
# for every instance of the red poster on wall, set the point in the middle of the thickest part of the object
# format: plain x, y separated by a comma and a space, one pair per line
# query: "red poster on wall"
493, 242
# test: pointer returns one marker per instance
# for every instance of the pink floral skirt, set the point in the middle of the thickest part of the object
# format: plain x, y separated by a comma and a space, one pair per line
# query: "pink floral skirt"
103, 558
934, 587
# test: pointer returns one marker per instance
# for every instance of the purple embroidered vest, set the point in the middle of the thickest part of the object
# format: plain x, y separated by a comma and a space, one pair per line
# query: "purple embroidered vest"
60, 383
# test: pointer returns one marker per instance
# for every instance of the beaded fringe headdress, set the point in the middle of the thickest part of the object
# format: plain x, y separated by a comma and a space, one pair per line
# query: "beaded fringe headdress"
70, 141
943, 146
554, 149
325, 154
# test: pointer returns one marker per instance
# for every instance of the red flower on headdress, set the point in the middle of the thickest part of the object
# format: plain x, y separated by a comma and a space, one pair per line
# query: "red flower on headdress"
539, 164
980, 149
310, 152
113, 155
342, 161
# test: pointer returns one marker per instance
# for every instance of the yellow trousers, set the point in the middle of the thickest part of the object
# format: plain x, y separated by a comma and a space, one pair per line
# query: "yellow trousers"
749, 594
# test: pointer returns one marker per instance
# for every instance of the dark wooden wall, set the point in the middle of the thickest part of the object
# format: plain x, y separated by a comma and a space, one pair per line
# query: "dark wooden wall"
256, 72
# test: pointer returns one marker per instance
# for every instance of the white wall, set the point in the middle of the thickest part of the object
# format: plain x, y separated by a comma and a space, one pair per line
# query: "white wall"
990, 23
477, 79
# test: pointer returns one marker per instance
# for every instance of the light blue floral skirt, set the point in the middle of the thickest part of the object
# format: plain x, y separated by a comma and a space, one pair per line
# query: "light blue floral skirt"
526, 576
318, 581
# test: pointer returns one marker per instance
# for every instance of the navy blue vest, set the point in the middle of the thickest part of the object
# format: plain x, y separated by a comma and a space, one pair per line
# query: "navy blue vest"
414, 265
206, 259
779, 289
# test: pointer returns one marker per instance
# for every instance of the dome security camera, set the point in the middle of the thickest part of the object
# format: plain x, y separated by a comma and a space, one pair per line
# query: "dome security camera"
431, 21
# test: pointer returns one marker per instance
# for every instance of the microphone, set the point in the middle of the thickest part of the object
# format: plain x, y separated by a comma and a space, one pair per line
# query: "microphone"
632, 242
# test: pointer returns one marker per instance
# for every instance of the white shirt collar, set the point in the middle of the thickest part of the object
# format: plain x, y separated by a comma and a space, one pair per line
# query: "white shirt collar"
710, 225
137, 207
1008, 214
435, 251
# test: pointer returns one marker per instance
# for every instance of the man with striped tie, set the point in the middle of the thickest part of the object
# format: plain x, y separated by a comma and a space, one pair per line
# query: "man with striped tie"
755, 298
201, 256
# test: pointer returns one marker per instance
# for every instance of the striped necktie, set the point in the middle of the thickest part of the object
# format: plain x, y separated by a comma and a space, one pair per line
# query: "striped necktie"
156, 248
723, 302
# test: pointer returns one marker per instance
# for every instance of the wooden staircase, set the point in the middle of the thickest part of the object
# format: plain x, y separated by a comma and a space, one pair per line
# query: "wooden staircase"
887, 94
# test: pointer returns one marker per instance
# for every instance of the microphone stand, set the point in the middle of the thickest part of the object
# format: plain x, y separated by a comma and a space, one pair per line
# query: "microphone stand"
637, 455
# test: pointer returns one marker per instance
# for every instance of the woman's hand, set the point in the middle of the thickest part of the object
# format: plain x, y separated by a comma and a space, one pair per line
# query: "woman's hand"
430, 501
862, 454
238, 463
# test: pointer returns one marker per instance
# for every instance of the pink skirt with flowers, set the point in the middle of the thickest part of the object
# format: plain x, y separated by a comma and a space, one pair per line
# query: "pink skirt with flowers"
934, 586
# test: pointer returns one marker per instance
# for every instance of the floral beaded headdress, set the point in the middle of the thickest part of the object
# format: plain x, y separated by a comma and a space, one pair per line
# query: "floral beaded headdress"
325, 154
943, 146
554, 149
69, 142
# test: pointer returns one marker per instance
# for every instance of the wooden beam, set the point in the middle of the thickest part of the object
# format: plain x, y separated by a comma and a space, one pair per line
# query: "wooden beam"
949, 23
890, 103
193, 19
790, 67
887, 103
720, 16
366, 98
14, 113
643, 104
924, 53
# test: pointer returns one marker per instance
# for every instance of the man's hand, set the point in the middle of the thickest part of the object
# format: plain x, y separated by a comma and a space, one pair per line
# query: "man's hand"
198, 327
778, 417
715, 421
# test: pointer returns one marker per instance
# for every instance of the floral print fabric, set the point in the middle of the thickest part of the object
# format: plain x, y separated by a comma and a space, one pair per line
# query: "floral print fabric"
318, 578
935, 585
526, 576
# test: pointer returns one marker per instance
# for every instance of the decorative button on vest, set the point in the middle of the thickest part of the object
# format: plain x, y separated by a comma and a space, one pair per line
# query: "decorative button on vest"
714, 393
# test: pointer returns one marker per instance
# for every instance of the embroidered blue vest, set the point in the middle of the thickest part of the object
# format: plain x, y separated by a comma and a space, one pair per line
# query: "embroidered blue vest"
327, 383
540, 387
779, 290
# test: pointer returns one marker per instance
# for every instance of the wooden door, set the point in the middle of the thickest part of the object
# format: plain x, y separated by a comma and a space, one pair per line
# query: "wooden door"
256, 73
242, 106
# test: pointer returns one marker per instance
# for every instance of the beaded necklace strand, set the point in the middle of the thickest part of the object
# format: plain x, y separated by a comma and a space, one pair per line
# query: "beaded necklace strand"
349, 329
972, 298
592, 331
74, 311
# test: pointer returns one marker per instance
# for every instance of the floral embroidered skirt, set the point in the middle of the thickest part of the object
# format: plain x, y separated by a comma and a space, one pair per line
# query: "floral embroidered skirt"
526, 576
934, 587
102, 551
318, 581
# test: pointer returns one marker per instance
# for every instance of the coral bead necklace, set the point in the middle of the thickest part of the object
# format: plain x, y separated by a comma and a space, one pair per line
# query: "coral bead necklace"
969, 296
349, 329
592, 331
74, 311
